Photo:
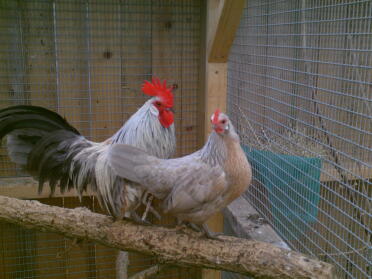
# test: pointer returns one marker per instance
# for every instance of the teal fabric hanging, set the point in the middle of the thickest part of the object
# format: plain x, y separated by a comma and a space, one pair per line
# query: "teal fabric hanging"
293, 186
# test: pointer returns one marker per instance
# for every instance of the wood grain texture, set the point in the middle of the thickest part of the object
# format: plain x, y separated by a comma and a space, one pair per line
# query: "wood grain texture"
72, 63
12, 68
104, 67
225, 24
214, 97
244, 221
26, 188
185, 248
39, 47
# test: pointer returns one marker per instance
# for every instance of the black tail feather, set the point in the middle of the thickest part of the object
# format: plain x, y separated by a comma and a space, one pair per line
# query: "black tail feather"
23, 113
51, 159
41, 140
53, 151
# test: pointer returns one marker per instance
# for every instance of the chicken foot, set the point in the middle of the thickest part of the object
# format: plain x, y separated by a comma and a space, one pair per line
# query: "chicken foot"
147, 201
209, 234
201, 228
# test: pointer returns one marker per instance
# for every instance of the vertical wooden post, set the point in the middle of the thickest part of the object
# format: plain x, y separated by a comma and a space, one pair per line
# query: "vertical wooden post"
223, 17
216, 84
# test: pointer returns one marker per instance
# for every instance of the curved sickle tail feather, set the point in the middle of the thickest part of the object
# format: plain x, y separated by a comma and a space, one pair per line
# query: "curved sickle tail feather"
45, 145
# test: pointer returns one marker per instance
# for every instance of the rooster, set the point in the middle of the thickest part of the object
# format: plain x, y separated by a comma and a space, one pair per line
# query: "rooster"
194, 187
53, 151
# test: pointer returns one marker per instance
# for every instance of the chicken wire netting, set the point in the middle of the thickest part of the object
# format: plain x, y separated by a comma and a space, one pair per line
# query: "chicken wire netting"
87, 61
300, 95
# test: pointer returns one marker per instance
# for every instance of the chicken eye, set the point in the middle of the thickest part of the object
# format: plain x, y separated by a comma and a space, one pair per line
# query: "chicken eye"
223, 121
157, 103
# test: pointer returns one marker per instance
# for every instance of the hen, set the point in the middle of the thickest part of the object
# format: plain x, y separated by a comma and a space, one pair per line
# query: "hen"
194, 187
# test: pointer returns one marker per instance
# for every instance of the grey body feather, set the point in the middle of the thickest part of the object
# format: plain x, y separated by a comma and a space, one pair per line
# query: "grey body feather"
193, 187
186, 185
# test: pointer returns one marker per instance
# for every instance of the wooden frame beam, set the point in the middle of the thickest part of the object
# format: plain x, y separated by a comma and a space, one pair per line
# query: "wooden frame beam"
223, 25
222, 20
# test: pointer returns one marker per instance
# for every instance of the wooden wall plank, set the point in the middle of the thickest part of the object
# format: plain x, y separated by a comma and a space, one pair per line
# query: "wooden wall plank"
136, 58
26, 188
39, 45
72, 63
12, 68
191, 87
19, 251
50, 258
5, 50
29, 66
79, 258
9, 251
12, 55
167, 54
104, 257
63, 258
105, 67
3, 267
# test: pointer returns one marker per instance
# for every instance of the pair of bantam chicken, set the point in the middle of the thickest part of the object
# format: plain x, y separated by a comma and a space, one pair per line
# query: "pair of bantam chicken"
133, 162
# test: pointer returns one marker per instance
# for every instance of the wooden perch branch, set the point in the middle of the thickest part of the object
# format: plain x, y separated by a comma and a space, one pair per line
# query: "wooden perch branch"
170, 246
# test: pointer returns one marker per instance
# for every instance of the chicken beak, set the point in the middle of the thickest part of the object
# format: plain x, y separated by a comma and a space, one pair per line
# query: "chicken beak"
170, 109
217, 128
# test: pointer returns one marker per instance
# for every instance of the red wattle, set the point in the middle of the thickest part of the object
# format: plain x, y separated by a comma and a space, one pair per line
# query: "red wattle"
166, 118
218, 130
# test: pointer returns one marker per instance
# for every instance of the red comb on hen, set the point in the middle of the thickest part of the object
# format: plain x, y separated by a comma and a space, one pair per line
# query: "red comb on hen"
157, 89
215, 116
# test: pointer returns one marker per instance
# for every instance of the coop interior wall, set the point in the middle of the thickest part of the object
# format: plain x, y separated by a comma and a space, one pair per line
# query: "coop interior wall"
299, 92
87, 61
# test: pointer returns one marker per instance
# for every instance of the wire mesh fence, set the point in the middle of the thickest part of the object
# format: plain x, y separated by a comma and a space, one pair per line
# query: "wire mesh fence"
87, 60
33, 254
300, 94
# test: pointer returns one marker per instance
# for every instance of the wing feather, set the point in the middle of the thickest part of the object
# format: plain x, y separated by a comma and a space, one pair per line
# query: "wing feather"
190, 193
184, 183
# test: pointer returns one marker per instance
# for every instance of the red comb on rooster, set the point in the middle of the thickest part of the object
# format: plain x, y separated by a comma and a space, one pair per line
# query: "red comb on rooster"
160, 90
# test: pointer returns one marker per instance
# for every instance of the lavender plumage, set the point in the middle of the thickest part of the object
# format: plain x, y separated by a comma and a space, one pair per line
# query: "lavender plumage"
193, 187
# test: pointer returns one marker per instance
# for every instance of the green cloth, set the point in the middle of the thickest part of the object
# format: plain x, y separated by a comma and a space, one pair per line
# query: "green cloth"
293, 185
